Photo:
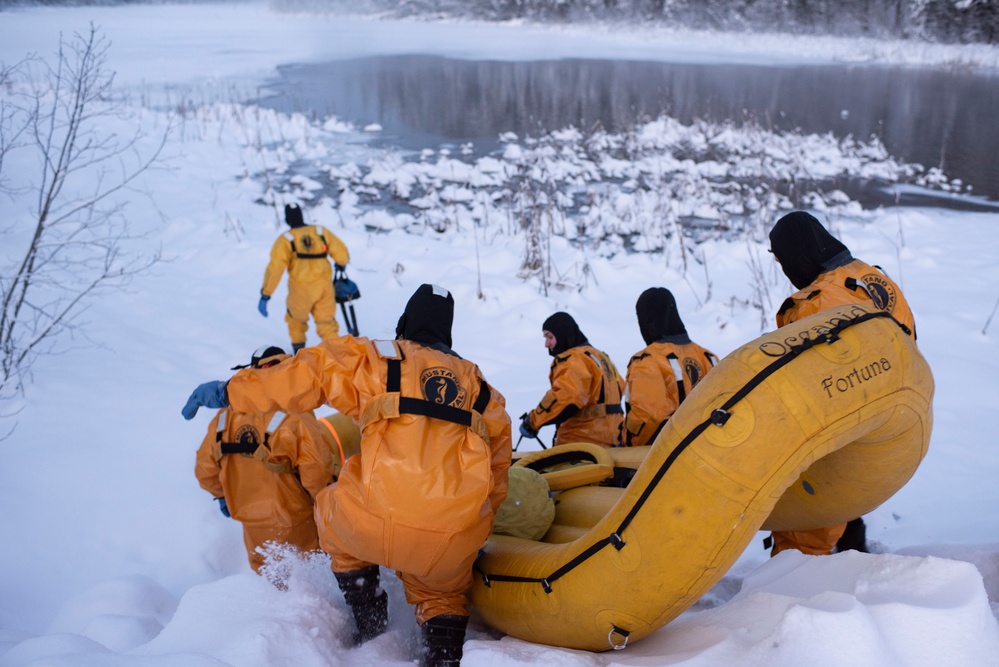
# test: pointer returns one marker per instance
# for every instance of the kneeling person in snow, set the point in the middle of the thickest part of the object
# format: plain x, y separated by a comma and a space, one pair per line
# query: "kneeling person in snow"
265, 468
826, 275
664, 372
422, 494
584, 402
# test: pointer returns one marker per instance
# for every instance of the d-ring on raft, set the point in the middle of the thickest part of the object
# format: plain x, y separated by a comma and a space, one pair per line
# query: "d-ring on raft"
814, 424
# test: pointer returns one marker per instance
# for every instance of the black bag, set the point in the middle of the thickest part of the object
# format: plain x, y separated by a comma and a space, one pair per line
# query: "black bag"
346, 291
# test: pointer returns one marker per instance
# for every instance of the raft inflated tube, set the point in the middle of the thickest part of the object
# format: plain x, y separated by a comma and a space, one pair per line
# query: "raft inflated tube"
569, 466
814, 424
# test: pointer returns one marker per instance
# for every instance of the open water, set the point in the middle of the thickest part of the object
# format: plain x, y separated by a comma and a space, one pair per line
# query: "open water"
933, 117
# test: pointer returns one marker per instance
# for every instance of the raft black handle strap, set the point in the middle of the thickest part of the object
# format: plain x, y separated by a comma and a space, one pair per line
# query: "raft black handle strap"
546, 582
488, 579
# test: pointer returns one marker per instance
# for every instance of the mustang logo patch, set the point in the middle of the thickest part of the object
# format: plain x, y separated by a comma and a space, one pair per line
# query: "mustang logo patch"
441, 386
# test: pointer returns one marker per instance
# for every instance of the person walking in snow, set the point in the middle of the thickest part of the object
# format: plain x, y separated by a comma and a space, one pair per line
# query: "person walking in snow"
304, 251
584, 402
661, 375
826, 275
265, 467
422, 494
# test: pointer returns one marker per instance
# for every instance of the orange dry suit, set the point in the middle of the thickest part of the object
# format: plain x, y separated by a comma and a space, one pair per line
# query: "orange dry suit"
269, 466
661, 375
826, 275
584, 401
432, 469
853, 282
304, 252
657, 381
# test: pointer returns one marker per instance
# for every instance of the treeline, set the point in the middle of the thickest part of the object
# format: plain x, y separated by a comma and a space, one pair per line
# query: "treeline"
946, 21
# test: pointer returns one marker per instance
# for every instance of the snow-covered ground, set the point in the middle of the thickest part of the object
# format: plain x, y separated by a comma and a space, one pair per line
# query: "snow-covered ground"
110, 553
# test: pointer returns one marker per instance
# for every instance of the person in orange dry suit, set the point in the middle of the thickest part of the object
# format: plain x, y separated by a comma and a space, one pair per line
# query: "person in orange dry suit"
584, 401
304, 251
421, 495
826, 275
265, 468
664, 372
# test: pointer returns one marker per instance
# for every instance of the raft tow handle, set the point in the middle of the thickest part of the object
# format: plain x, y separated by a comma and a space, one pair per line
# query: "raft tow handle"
616, 630
719, 416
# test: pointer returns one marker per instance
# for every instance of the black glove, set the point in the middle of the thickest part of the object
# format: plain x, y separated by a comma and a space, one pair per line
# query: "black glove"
223, 507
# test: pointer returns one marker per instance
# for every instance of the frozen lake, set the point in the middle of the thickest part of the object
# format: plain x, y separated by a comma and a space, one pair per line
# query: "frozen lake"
934, 117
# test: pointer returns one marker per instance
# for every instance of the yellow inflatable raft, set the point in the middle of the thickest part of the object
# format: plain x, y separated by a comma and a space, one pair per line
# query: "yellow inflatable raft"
344, 439
814, 424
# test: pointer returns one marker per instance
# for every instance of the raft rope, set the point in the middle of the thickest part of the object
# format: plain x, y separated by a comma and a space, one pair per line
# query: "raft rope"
718, 418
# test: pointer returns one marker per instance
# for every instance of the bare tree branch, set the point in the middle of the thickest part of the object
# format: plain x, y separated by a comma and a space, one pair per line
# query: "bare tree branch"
79, 242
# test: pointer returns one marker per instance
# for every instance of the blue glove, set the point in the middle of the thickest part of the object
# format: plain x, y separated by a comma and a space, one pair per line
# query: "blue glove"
525, 427
210, 394
224, 508
262, 304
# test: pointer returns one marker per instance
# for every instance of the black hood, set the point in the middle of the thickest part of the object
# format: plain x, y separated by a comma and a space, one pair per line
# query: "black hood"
657, 315
264, 356
428, 316
293, 216
566, 332
804, 248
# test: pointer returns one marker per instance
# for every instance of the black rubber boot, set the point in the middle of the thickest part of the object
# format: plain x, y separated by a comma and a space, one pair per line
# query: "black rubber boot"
854, 537
443, 640
367, 602
295, 347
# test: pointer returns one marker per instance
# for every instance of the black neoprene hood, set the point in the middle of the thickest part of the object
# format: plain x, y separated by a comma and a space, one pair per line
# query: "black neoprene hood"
803, 246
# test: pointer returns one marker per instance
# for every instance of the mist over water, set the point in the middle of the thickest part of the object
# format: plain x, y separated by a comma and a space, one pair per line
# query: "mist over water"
932, 117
